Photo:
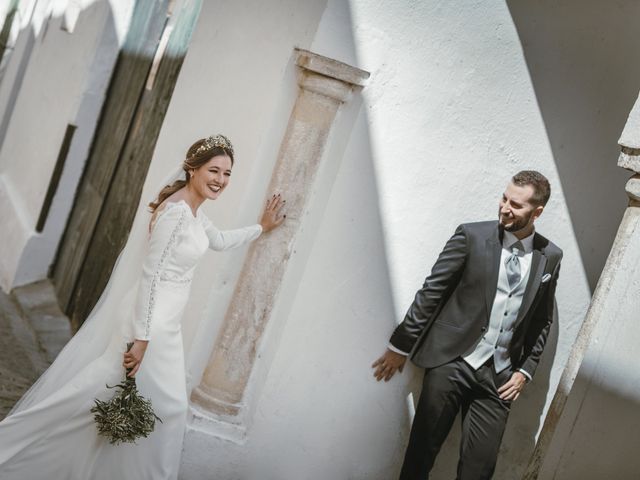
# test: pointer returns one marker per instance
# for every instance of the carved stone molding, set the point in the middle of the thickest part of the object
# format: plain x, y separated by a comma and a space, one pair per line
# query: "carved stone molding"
630, 141
633, 190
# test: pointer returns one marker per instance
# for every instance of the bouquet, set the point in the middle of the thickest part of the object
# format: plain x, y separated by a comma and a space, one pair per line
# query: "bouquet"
127, 416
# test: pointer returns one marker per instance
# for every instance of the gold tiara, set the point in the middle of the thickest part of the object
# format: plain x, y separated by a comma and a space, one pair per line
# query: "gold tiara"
215, 141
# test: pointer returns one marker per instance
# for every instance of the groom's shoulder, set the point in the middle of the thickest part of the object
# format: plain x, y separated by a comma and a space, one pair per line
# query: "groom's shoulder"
484, 228
549, 248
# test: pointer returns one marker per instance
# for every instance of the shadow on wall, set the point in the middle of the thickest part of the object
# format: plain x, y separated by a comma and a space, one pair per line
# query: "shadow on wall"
524, 421
603, 440
579, 53
371, 424
379, 308
379, 311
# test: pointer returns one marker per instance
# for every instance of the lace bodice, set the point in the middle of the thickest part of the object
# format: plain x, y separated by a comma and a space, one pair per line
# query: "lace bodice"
177, 240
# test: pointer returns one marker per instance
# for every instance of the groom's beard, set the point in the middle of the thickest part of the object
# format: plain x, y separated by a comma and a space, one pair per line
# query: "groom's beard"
516, 223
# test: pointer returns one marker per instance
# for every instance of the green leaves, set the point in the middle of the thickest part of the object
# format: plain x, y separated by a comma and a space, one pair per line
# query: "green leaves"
127, 416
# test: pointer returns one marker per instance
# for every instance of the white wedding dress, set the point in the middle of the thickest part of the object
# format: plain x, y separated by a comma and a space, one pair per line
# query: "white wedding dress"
52, 435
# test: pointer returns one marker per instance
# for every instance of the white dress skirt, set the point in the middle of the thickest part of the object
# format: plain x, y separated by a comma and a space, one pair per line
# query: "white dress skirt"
56, 438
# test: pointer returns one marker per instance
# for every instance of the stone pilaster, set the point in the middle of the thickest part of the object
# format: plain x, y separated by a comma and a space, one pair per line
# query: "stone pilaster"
611, 289
325, 84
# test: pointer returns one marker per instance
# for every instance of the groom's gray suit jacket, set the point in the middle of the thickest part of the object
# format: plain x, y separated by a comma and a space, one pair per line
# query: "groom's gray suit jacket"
451, 311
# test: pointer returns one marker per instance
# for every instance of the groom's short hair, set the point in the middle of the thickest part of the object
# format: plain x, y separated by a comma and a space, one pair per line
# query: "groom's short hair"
540, 184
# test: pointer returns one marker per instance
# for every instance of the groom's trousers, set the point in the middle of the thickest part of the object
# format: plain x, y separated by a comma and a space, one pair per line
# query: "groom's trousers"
446, 390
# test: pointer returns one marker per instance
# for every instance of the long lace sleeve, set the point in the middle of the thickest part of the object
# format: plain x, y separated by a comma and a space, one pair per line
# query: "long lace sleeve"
163, 238
228, 239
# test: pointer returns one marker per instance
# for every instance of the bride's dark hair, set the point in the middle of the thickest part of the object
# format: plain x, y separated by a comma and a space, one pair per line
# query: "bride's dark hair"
198, 154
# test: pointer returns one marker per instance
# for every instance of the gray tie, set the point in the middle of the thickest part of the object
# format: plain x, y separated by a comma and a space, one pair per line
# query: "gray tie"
513, 264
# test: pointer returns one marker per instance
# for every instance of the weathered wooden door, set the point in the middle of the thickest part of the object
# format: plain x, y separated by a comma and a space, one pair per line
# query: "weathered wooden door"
135, 106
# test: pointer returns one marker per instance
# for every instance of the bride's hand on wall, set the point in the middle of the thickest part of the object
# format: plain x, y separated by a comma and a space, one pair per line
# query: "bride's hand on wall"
133, 358
272, 217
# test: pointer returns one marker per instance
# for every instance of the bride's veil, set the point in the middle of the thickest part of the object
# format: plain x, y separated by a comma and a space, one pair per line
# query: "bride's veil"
109, 323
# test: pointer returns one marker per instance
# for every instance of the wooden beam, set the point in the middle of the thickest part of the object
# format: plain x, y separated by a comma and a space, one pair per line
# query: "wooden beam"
127, 83
119, 207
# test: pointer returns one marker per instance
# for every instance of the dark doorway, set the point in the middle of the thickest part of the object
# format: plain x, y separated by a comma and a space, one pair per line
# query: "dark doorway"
135, 106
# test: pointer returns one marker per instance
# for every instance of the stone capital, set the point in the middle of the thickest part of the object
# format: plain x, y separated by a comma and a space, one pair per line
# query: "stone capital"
325, 86
327, 76
331, 68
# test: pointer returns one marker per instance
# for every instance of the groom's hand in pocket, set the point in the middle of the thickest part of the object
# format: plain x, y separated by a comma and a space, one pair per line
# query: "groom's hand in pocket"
133, 357
387, 365
511, 389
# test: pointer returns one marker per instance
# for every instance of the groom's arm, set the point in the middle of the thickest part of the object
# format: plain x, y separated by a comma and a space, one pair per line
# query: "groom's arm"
444, 276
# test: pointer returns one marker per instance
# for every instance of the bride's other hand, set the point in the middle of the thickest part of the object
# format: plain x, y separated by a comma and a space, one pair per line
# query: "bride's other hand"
133, 358
271, 217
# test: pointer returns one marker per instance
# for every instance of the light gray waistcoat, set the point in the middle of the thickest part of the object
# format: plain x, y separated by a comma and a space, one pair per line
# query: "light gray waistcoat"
504, 313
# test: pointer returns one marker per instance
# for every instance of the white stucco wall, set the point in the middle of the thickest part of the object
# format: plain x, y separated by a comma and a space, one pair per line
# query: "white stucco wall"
451, 111
457, 102
42, 92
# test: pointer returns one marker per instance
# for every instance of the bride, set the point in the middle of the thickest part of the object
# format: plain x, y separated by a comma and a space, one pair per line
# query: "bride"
50, 433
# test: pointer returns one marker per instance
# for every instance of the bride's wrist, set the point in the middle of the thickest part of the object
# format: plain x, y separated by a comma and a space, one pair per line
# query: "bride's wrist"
141, 342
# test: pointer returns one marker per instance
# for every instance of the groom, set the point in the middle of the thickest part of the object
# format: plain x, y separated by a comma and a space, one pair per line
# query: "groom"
478, 327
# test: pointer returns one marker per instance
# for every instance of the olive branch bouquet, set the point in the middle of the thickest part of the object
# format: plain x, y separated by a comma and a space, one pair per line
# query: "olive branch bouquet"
127, 416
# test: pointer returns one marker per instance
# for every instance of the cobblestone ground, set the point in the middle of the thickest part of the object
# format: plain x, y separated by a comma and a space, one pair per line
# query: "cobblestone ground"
32, 332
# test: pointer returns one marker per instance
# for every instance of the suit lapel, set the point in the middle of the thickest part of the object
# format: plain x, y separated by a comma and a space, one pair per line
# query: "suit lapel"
493, 250
538, 262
